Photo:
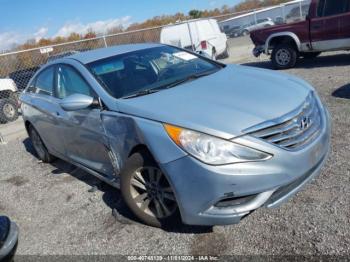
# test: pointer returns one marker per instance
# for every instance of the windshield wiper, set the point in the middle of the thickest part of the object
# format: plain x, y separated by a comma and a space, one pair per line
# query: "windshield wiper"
141, 93
175, 83
186, 79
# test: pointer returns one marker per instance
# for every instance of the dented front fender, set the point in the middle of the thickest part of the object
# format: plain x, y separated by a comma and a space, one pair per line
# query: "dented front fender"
125, 132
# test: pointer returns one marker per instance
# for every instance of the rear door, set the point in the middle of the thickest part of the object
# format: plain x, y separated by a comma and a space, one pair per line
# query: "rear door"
211, 32
43, 107
325, 28
84, 135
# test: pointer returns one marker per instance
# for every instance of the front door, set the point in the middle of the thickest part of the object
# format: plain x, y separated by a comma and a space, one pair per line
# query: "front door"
84, 136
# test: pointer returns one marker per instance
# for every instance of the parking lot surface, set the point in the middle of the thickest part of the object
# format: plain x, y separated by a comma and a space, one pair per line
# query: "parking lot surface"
62, 210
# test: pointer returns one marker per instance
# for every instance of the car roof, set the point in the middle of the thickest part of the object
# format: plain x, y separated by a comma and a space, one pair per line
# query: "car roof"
101, 53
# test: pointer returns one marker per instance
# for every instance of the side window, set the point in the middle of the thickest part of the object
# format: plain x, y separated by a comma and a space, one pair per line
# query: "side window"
44, 82
331, 7
320, 7
70, 82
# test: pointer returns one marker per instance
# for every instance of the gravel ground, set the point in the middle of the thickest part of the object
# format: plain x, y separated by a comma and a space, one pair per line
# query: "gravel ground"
62, 210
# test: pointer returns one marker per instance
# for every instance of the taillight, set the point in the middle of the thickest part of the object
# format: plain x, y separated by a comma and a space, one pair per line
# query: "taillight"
204, 44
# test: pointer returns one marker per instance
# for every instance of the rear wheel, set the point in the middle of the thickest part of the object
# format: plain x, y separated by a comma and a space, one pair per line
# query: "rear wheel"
226, 54
39, 146
8, 110
310, 55
147, 191
284, 56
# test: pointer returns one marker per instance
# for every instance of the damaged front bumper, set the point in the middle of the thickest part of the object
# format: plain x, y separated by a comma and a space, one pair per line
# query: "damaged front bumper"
221, 195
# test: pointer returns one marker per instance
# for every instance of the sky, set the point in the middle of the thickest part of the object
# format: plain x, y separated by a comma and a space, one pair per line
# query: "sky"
21, 20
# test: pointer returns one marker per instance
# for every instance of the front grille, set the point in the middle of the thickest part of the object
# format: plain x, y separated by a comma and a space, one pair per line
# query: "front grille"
294, 130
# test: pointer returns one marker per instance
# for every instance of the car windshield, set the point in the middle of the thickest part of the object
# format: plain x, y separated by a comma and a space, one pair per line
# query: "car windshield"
149, 70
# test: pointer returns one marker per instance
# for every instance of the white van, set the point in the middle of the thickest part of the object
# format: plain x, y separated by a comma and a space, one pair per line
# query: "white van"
204, 34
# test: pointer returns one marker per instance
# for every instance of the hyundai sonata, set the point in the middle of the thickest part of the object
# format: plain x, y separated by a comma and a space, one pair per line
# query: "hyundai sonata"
180, 134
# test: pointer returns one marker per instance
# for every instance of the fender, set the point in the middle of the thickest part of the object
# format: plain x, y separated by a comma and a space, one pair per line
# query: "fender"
7, 84
290, 34
124, 132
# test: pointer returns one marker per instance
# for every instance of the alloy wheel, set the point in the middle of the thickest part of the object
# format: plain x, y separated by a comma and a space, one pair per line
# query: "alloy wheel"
9, 110
152, 192
283, 57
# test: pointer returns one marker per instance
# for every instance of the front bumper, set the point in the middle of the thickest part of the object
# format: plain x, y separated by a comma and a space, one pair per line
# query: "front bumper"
199, 187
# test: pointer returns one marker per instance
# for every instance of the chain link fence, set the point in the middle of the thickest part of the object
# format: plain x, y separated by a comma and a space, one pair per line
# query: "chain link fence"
17, 68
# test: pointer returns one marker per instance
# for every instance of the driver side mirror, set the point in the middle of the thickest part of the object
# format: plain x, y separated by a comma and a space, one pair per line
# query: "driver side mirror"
77, 102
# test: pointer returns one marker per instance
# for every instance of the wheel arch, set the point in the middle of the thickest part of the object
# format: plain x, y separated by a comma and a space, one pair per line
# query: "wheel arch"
6, 93
282, 37
140, 148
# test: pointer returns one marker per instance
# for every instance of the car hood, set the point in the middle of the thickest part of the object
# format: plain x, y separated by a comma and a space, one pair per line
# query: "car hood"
224, 103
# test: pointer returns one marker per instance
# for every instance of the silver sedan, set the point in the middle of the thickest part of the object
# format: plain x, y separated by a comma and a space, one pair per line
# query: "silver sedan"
181, 135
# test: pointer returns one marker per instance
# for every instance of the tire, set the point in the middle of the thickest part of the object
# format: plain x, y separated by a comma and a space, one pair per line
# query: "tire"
153, 203
284, 56
226, 54
39, 146
8, 110
310, 55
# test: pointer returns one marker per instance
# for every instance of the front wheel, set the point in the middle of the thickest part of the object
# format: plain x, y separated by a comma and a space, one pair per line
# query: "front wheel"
284, 56
8, 110
147, 191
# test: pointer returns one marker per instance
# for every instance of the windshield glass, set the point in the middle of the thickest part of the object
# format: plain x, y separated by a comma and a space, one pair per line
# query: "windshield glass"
149, 69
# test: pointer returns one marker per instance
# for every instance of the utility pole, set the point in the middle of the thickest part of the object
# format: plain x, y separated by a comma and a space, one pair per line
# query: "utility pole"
104, 41
189, 31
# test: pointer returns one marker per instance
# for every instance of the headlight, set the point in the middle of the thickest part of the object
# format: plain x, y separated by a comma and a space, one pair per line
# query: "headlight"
212, 150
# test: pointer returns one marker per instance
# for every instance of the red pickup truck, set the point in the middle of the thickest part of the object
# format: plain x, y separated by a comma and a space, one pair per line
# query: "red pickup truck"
326, 28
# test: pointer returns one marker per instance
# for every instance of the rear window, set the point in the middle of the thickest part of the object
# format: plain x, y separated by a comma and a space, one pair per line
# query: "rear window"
44, 82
